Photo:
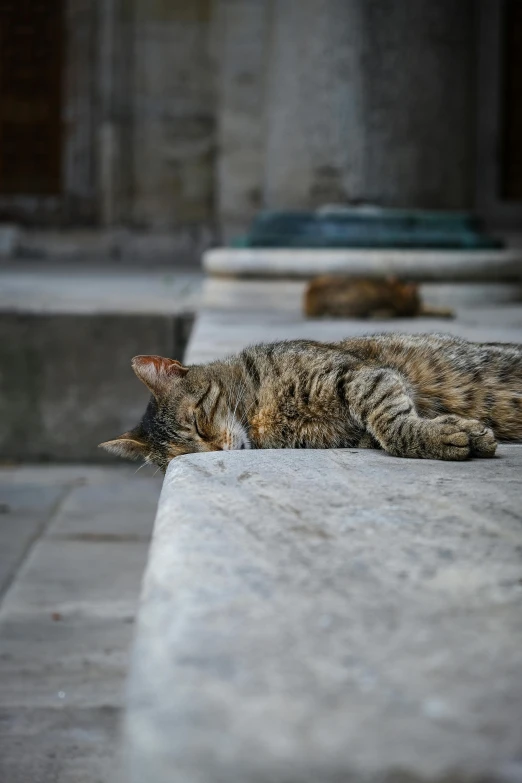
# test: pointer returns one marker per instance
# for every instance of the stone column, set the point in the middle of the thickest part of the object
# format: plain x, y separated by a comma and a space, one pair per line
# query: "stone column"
79, 113
173, 115
419, 102
370, 100
240, 39
315, 140
114, 132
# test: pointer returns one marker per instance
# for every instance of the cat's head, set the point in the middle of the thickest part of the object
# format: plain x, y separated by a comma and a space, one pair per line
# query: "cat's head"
189, 411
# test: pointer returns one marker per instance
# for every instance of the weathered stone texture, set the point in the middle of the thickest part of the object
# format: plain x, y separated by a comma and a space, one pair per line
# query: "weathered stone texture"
173, 115
359, 99
418, 102
67, 620
240, 51
331, 616
421, 265
314, 125
66, 383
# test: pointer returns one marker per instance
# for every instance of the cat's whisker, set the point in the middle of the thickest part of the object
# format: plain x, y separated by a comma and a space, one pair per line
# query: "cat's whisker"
141, 466
244, 417
240, 396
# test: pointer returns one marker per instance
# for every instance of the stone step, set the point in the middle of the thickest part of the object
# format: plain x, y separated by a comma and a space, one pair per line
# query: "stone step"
67, 336
328, 616
67, 384
417, 265
238, 313
276, 295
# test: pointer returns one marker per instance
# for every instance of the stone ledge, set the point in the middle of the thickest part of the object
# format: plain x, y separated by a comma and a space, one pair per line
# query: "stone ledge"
220, 332
417, 265
67, 381
329, 616
83, 289
248, 295
67, 337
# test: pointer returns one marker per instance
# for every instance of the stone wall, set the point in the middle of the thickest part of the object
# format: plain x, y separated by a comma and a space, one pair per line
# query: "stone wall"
346, 100
240, 36
173, 98
187, 118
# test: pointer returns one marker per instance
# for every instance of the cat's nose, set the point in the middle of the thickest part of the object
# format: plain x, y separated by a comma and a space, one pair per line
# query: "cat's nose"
242, 446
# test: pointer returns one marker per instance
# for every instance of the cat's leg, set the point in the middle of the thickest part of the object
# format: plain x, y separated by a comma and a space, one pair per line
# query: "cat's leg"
382, 402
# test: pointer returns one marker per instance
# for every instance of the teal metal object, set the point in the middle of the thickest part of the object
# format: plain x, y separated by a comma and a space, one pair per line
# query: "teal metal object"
368, 227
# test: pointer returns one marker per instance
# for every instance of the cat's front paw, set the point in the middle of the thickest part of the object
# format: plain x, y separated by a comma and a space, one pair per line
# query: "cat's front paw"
455, 438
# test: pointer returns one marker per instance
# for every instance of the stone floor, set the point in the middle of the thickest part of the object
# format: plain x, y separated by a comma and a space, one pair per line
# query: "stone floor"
73, 545
87, 288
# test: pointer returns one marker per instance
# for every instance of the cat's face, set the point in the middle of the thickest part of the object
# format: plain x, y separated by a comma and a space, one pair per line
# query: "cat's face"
190, 410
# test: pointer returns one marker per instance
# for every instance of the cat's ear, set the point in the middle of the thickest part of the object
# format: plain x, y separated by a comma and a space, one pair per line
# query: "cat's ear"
127, 446
157, 372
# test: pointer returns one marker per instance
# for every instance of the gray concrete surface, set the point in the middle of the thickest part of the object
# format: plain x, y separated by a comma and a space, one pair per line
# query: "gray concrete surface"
331, 616
108, 245
343, 124
222, 293
66, 383
91, 287
73, 545
419, 265
307, 114
242, 312
217, 333
9, 236
173, 115
67, 336
23, 516
241, 35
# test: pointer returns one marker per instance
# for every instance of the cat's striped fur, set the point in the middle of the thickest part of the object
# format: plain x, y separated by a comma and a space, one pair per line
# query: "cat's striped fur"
428, 396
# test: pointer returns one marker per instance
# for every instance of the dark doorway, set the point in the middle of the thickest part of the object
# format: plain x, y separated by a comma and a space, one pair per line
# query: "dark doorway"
31, 55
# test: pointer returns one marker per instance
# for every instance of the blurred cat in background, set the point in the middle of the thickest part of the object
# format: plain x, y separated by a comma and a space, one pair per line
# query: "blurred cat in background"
336, 296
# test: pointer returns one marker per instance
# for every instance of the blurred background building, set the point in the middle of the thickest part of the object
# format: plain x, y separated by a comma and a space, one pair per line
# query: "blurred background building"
186, 117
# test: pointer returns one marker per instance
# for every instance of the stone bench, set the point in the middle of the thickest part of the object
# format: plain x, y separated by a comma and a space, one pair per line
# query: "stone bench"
330, 616
447, 278
325, 616
421, 265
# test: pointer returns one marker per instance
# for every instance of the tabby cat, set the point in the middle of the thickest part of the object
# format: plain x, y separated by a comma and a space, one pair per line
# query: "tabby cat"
426, 396
338, 296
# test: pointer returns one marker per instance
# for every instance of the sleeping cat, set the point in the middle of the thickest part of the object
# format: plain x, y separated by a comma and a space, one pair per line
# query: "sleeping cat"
426, 396
338, 296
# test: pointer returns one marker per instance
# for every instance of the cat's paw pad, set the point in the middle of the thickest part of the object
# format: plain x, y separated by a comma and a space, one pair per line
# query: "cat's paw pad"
457, 438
